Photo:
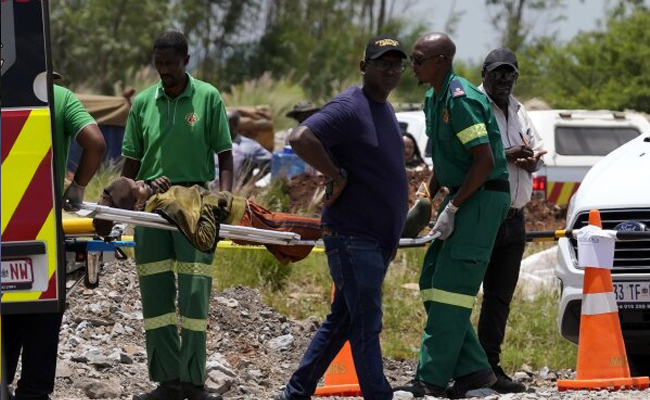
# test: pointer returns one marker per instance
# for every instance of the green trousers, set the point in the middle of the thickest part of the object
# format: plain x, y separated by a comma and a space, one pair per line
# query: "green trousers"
452, 273
159, 256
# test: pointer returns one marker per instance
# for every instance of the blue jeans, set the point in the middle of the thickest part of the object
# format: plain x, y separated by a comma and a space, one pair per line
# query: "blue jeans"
358, 267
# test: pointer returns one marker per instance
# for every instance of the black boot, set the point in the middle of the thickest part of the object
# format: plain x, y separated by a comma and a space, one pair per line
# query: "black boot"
505, 384
421, 389
200, 392
165, 391
476, 384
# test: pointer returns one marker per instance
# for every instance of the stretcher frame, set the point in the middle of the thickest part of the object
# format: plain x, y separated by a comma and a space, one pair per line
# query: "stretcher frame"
233, 232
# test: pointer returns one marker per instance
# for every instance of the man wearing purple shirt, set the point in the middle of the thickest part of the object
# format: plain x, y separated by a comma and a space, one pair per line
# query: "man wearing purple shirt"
356, 142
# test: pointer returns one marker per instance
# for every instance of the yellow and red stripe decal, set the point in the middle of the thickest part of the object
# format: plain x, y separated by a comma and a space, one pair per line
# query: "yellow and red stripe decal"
27, 192
561, 192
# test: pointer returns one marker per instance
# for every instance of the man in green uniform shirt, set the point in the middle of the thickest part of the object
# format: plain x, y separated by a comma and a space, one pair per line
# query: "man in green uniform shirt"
174, 128
469, 160
34, 337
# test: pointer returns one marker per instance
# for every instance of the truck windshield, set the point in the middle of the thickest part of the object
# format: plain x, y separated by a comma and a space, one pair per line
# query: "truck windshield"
591, 141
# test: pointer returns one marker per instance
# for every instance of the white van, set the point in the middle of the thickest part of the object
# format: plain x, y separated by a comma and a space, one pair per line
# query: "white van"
576, 140
618, 186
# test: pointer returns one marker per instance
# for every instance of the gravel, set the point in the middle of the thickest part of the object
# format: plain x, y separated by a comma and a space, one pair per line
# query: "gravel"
252, 350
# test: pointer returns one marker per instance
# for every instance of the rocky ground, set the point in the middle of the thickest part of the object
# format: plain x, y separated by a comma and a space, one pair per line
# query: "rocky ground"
251, 348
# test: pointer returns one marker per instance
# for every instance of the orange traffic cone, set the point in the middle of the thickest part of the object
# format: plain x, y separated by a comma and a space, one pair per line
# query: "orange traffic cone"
602, 361
341, 377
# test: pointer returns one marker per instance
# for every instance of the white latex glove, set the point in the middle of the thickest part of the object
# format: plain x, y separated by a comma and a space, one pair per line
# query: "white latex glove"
73, 196
445, 222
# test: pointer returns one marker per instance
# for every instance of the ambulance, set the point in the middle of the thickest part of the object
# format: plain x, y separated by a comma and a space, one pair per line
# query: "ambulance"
33, 278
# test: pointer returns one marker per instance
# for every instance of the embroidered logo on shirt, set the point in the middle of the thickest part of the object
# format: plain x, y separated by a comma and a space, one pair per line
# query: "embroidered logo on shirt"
445, 115
456, 89
191, 119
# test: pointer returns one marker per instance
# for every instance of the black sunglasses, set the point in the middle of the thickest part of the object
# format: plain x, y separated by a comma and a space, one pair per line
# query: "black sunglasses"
385, 65
417, 60
501, 75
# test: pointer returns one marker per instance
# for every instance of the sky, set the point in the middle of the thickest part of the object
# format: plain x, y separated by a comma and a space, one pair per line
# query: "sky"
475, 36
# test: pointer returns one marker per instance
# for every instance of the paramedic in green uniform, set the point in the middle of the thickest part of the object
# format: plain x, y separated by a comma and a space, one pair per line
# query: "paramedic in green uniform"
174, 128
469, 160
34, 337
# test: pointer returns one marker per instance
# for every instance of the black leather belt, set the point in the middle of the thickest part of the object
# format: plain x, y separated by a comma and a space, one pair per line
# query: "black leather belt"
494, 185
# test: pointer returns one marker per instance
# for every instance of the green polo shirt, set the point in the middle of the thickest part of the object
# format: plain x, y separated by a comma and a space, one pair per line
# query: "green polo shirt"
70, 117
458, 119
177, 137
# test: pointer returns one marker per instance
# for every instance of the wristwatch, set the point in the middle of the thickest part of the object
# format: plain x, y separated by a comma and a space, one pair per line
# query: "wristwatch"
341, 176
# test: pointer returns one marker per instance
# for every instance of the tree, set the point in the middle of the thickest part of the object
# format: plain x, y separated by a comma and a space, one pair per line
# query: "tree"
215, 29
508, 18
96, 43
602, 69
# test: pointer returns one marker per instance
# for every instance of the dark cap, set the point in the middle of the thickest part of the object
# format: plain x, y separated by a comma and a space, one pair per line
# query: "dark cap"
499, 57
302, 107
56, 76
382, 44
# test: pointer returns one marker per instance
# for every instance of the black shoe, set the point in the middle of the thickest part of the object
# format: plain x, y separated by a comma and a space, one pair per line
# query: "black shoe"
165, 391
476, 384
505, 384
194, 392
420, 389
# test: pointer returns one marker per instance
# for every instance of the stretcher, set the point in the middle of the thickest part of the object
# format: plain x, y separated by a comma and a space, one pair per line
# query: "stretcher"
92, 253
261, 236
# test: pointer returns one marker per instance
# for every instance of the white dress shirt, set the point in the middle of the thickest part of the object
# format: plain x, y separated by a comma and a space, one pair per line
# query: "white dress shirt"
514, 130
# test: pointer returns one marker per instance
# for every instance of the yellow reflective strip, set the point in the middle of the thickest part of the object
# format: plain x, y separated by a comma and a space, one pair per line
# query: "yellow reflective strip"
471, 133
153, 268
565, 193
20, 165
199, 325
160, 321
47, 234
195, 268
442, 296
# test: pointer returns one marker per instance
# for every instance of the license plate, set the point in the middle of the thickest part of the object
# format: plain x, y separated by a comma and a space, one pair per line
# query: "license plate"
17, 274
632, 294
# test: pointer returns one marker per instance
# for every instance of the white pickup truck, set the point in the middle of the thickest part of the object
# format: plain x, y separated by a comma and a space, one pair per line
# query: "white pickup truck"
575, 141
618, 186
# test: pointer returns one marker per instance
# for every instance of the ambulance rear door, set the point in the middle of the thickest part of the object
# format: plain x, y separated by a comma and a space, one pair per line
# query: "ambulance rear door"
33, 278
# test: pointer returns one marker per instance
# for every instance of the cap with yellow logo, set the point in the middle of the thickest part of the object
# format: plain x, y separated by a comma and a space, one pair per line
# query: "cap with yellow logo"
382, 44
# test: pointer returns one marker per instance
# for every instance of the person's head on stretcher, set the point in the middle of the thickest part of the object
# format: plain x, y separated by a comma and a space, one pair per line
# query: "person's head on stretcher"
128, 194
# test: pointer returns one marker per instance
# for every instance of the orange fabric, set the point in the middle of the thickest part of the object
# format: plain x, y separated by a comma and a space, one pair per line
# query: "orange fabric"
257, 216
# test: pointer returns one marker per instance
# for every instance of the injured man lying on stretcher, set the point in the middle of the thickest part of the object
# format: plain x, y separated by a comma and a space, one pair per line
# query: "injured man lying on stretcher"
198, 212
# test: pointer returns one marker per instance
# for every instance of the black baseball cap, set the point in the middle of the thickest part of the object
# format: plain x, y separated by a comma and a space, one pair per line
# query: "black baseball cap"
382, 44
56, 76
499, 57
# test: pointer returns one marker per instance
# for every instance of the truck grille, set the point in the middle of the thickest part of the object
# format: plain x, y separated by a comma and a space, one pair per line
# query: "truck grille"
629, 256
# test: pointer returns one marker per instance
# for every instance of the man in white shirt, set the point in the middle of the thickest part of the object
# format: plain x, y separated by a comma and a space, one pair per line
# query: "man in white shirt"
523, 148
